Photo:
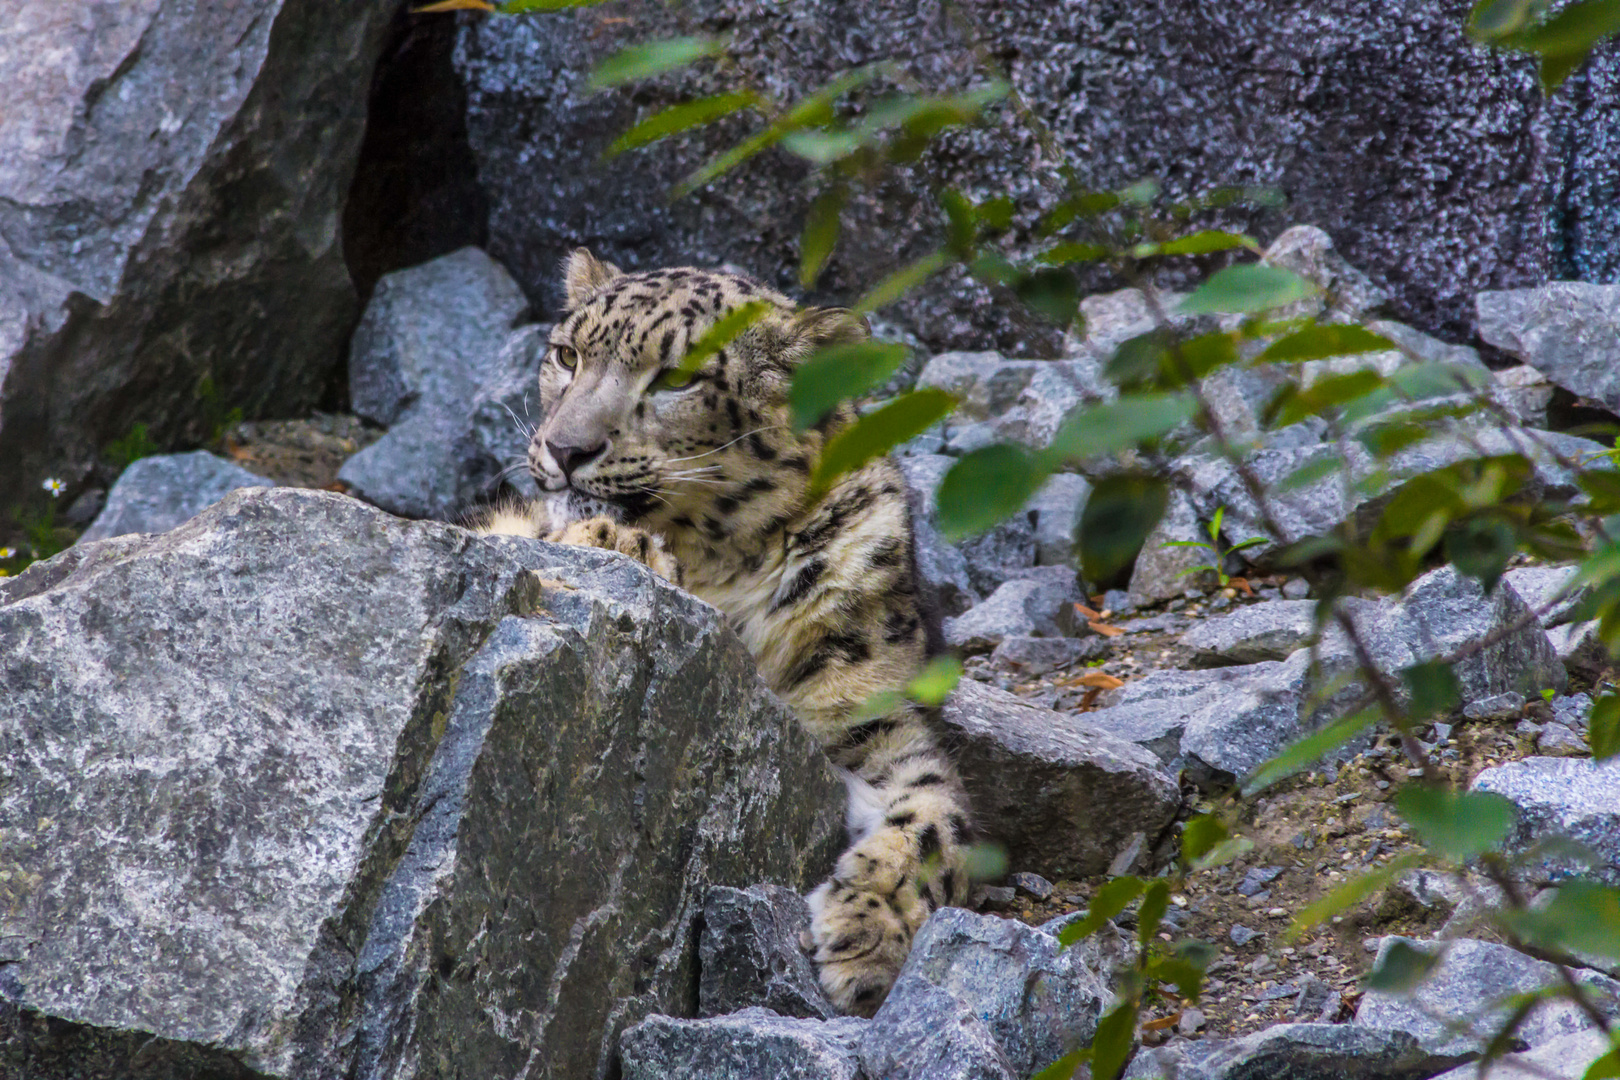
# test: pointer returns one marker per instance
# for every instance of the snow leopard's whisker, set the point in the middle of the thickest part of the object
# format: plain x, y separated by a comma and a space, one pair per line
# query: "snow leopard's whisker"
525, 428
733, 442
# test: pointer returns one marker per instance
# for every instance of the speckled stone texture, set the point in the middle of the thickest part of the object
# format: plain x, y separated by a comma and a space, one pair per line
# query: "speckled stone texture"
171, 178
747, 1045
1573, 797
1297, 1051
751, 954
1432, 163
302, 790
157, 493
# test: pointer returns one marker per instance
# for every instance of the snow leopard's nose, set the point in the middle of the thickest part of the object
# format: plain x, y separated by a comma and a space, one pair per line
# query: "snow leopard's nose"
572, 458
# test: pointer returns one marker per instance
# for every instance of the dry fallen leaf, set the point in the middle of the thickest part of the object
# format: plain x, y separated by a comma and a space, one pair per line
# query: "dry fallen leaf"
1162, 1022
1104, 629
1087, 613
1099, 679
454, 5
1241, 583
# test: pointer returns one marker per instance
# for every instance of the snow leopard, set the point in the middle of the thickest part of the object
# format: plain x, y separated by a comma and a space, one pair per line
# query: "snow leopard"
699, 473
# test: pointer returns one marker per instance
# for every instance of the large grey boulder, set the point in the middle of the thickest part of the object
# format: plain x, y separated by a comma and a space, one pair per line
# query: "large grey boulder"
1037, 603
1350, 108
1297, 1051
1064, 795
1268, 631
1164, 570
1039, 1001
1567, 330
923, 1032
940, 563
1461, 1004
433, 340
172, 176
1022, 401
746, 1045
750, 954
1577, 798
157, 493
1564, 1058
1550, 591
305, 790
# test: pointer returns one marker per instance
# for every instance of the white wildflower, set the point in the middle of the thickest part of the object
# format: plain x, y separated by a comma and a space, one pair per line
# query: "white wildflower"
8, 553
54, 486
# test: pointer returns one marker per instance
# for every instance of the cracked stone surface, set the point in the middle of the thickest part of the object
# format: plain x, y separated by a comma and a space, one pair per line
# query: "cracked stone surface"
305, 790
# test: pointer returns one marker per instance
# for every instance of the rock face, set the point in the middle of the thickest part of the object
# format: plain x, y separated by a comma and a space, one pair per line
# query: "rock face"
1577, 798
1469, 974
433, 338
750, 954
743, 1046
157, 493
171, 178
1064, 795
303, 789
1568, 331
1350, 108
1297, 1051
1037, 1000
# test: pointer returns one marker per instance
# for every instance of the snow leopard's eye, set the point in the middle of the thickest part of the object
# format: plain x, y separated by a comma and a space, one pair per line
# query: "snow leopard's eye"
566, 356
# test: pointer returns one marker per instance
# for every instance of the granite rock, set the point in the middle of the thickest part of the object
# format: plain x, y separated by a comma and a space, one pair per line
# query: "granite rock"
1298, 1051
1567, 330
157, 493
305, 788
746, 1045
1035, 776
1564, 1058
1268, 631
1033, 656
750, 954
1161, 572
432, 339
1038, 1000
1470, 974
1570, 797
922, 1032
1038, 603
172, 177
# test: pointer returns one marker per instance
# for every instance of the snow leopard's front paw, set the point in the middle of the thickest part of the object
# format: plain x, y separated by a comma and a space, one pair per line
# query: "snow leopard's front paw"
643, 546
859, 940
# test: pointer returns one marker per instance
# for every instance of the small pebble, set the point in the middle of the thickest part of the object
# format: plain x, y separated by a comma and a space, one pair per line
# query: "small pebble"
1191, 1020
996, 897
1033, 884
1242, 935
1257, 879
1296, 588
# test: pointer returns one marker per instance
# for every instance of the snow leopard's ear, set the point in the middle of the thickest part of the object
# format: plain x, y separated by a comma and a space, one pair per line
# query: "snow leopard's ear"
818, 326
584, 275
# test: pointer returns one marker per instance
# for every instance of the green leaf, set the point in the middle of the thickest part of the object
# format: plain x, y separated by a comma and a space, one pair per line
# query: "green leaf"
1555, 68
985, 487
1138, 360
1298, 755
1197, 357
1064, 1067
934, 683
1050, 291
838, 373
1086, 205
683, 117
1247, 288
1310, 472
1456, 825
1202, 243
901, 282
1401, 969
654, 58
1323, 341
1582, 917
1603, 732
1115, 425
1295, 403
725, 329
1351, 892
985, 861
1606, 1067
875, 433
1155, 902
1061, 254
1113, 898
820, 233
1120, 512
1481, 546
1491, 20
1200, 836
1111, 1046
821, 147
1433, 687
813, 110
1573, 31
961, 223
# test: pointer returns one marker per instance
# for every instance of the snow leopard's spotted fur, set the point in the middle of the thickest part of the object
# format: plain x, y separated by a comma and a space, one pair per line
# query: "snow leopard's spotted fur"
709, 485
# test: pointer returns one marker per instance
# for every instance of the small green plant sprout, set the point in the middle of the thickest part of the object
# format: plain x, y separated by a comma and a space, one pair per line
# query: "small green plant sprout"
124, 452
1214, 546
